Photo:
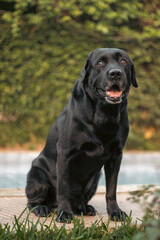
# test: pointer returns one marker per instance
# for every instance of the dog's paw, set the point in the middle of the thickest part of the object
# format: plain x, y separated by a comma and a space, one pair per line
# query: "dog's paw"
40, 210
118, 216
78, 207
90, 210
64, 217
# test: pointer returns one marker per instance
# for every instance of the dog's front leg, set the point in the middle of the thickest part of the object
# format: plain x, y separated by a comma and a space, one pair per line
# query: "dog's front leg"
64, 211
111, 173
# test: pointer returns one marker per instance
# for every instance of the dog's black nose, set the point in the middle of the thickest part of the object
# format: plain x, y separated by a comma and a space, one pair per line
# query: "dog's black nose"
115, 73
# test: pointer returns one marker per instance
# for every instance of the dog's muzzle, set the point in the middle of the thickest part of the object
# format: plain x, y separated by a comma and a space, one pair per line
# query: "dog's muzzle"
112, 95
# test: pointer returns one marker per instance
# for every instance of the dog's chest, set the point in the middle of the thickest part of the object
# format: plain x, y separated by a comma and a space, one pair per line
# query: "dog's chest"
106, 131
106, 124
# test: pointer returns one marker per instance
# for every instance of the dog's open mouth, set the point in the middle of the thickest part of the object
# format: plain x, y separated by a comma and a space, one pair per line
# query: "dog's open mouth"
112, 95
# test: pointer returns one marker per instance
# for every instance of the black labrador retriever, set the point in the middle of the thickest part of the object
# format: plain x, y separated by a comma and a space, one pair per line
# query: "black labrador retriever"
90, 133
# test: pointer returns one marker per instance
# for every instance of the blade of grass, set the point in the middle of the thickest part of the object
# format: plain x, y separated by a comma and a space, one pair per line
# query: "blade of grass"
62, 229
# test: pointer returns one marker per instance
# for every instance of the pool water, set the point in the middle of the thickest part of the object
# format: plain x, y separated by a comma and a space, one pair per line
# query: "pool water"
136, 168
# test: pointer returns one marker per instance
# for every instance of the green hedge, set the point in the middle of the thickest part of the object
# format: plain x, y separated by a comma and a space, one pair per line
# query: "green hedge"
44, 45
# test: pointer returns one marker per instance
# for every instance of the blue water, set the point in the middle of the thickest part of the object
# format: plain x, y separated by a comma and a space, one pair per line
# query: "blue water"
136, 168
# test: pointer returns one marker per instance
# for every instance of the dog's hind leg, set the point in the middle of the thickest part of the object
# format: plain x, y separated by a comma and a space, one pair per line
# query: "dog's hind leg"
90, 191
81, 205
91, 187
41, 195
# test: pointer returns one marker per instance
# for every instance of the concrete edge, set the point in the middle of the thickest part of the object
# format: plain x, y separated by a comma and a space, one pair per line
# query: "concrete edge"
20, 192
126, 188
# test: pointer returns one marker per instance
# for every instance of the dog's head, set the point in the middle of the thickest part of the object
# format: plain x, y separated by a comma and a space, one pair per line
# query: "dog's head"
108, 74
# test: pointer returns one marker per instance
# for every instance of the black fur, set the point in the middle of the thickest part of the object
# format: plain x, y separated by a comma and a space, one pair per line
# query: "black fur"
90, 133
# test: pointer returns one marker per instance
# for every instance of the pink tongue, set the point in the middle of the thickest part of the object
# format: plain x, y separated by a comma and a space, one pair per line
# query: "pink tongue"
114, 93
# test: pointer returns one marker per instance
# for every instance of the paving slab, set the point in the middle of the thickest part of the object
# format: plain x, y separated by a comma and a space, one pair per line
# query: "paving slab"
13, 202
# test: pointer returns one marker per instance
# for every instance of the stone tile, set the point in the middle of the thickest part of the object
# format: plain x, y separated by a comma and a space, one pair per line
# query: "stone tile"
14, 205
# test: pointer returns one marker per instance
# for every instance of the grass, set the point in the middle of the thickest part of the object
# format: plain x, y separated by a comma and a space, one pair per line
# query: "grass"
25, 229
149, 229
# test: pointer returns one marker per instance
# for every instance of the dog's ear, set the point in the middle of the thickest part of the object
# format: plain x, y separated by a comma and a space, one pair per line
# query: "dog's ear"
85, 69
133, 76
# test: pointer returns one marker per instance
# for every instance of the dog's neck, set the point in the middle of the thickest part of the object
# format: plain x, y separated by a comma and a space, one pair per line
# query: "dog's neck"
107, 112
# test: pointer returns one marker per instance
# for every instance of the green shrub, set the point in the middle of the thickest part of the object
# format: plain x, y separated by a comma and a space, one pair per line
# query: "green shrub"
149, 198
44, 45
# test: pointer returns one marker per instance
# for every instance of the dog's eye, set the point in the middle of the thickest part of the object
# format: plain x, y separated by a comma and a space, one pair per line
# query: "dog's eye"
124, 62
99, 63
